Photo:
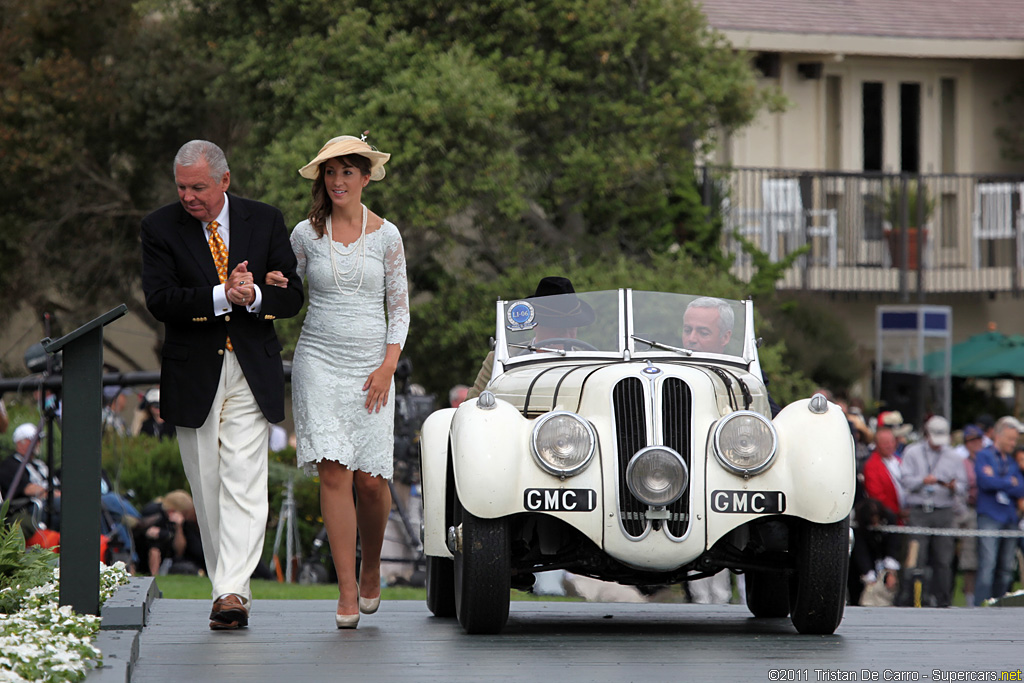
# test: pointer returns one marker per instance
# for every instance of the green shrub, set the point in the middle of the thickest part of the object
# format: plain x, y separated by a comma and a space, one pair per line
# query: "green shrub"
143, 464
20, 568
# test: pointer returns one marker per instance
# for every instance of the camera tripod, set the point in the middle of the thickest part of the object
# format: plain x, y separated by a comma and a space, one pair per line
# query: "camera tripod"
318, 566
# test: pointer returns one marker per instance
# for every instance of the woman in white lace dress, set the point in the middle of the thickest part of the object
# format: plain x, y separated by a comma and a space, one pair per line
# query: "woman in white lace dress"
345, 359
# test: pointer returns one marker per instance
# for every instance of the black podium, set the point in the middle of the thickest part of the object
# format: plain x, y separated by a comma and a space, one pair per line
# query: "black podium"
81, 427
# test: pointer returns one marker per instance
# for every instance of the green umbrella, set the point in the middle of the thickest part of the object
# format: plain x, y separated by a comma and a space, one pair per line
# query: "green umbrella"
1006, 361
972, 350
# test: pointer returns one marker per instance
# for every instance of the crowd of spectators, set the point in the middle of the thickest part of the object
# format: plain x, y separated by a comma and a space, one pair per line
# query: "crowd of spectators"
940, 489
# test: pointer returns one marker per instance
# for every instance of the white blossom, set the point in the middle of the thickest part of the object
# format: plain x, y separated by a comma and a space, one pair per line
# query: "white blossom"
43, 641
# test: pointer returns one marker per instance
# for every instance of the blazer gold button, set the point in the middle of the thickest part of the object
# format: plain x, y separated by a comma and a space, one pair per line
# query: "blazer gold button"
220, 352
227, 318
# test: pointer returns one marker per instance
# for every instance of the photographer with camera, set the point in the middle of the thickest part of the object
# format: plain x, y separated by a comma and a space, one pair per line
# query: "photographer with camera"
167, 536
933, 477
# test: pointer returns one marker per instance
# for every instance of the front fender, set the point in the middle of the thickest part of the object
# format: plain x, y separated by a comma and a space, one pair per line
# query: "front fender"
434, 477
815, 468
489, 448
818, 452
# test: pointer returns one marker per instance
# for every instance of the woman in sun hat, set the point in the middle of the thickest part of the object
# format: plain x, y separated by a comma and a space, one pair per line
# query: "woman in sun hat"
345, 360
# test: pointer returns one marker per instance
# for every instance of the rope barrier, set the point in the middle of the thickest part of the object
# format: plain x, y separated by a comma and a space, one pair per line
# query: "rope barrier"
930, 531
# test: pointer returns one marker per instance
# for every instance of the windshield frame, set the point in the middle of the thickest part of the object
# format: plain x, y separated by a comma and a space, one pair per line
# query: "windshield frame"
626, 342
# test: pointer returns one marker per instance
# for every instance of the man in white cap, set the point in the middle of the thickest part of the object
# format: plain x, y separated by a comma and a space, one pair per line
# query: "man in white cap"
933, 477
33, 480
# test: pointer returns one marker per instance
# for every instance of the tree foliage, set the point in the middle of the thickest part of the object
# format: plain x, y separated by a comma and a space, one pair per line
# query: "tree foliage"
527, 137
95, 101
563, 123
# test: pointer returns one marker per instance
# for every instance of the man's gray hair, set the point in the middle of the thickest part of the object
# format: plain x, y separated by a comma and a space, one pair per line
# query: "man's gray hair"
726, 316
194, 151
1004, 423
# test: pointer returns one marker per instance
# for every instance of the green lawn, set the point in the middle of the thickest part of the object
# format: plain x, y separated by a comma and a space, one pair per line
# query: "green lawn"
178, 587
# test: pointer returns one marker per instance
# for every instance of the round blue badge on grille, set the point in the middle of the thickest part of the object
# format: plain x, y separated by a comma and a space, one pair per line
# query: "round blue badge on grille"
520, 316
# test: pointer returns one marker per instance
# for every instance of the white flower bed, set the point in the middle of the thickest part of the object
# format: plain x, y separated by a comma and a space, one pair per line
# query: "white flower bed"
44, 642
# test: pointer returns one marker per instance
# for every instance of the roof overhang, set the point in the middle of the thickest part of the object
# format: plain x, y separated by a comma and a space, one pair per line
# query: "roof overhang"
824, 43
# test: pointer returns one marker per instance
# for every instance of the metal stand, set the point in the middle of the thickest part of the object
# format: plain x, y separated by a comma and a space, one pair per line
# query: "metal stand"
286, 525
80, 461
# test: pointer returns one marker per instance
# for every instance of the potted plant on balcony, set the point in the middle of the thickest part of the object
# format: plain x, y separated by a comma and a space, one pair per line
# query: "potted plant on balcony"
899, 193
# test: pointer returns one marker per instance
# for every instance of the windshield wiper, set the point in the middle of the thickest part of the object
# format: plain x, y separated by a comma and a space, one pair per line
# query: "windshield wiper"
535, 349
665, 347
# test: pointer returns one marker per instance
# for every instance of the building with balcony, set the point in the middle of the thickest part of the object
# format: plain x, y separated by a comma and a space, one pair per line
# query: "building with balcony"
888, 164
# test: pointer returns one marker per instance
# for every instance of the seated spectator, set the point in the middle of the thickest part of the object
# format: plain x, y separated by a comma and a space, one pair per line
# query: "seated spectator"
117, 519
873, 563
167, 537
115, 399
152, 423
23, 476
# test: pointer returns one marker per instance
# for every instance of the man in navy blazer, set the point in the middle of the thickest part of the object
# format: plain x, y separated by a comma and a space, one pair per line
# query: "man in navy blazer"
221, 379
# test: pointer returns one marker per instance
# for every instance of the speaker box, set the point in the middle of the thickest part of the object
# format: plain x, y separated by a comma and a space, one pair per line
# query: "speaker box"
907, 392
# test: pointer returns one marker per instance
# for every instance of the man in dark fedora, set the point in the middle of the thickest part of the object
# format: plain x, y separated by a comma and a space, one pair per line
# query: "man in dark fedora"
558, 312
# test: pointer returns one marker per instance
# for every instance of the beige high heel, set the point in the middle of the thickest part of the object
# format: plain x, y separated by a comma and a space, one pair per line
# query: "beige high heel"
346, 620
368, 605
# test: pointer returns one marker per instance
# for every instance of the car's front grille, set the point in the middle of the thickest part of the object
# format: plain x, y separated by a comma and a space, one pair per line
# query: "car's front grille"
676, 408
630, 407
630, 437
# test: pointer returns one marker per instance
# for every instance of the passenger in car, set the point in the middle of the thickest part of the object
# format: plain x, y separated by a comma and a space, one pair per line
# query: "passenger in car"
561, 319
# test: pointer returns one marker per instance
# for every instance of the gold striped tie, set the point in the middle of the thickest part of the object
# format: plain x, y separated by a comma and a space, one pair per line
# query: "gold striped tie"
220, 259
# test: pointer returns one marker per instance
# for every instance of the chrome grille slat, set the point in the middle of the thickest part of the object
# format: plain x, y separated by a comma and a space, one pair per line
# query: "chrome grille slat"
677, 407
631, 436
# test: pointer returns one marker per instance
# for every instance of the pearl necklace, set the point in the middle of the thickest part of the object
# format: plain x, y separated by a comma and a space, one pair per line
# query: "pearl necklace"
343, 277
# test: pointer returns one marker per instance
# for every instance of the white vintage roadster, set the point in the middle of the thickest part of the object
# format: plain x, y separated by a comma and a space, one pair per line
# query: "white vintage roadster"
638, 447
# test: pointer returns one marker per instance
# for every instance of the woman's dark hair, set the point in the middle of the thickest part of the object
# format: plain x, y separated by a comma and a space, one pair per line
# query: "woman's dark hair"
321, 207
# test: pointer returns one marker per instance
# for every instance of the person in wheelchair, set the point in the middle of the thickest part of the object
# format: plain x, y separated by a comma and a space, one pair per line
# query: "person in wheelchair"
24, 479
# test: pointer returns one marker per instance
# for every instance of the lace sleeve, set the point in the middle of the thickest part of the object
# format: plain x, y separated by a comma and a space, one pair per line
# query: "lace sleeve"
300, 252
396, 288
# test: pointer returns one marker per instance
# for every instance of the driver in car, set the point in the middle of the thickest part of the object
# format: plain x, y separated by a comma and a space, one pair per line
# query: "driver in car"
556, 319
707, 326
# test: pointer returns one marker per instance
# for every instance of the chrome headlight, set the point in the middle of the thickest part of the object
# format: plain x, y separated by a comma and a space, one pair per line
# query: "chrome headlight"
745, 442
657, 476
563, 443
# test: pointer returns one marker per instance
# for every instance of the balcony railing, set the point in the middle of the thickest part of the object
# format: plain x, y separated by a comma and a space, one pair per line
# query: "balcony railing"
874, 232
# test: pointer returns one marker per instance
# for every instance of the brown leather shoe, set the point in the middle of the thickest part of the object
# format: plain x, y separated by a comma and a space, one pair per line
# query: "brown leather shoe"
229, 612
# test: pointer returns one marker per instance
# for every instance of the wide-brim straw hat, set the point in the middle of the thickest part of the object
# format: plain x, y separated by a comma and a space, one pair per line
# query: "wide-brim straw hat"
339, 147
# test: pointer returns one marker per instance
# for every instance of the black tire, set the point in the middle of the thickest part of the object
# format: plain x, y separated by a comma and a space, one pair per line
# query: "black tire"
482, 573
767, 594
818, 589
441, 586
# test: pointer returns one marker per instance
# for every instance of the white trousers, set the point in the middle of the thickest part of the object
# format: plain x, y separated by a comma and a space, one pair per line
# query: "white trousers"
225, 461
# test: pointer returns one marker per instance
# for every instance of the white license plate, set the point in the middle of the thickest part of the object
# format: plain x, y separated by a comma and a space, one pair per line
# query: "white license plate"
560, 500
748, 502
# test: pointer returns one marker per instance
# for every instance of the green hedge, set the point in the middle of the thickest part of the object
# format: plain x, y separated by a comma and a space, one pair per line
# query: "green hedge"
143, 467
